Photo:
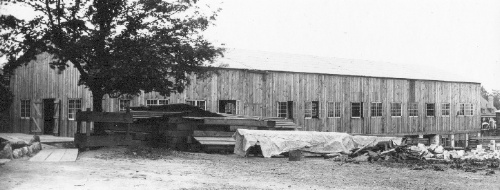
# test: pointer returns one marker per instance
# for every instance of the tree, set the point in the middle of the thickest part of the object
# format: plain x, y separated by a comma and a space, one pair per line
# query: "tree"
118, 46
484, 93
6, 96
496, 98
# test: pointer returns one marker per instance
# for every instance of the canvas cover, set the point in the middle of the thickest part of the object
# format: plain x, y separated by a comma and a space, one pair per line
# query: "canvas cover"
276, 142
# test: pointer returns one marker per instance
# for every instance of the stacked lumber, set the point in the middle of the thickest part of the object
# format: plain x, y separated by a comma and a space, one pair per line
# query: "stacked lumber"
211, 141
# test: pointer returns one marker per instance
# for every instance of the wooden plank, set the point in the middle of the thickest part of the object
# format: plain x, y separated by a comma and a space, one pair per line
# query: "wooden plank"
228, 139
42, 155
212, 134
111, 117
234, 128
70, 155
216, 143
56, 155
238, 121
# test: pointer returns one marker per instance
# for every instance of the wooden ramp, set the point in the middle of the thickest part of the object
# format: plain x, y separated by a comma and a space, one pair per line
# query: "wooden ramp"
56, 155
16, 137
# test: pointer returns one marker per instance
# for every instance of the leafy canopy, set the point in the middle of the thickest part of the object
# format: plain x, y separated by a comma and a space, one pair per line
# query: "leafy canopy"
118, 46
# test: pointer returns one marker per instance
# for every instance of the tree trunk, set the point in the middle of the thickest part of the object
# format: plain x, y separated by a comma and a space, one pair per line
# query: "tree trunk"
97, 101
97, 107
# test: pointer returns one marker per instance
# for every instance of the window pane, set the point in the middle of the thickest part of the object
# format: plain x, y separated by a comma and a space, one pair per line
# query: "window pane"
330, 106
356, 109
445, 109
429, 110
376, 109
396, 109
163, 102
337, 109
282, 109
308, 109
202, 104
413, 109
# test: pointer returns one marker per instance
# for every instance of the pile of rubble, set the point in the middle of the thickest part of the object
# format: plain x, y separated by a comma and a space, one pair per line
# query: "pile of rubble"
390, 151
12, 150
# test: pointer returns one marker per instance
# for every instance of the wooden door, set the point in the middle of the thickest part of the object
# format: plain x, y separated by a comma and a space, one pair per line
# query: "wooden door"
36, 118
57, 105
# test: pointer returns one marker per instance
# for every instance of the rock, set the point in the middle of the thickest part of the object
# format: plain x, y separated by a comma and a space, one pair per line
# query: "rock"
17, 153
432, 147
24, 151
446, 155
30, 150
439, 156
454, 154
3, 161
491, 172
6, 151
438, 150
438, 168
429, 155
35, 138
36, 147
361, 158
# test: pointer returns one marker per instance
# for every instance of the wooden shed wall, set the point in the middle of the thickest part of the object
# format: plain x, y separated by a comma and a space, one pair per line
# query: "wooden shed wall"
259, 92
37, 81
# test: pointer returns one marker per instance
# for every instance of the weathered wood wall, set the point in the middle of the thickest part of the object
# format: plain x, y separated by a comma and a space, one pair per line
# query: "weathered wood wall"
259, 92
37, 81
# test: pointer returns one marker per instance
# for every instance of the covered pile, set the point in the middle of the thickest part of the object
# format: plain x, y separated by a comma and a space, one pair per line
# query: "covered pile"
273, 143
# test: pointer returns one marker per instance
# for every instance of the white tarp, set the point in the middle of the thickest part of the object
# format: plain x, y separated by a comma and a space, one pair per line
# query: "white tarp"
277, 142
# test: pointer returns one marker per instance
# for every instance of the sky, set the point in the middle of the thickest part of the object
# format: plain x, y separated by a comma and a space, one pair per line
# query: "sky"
457, 36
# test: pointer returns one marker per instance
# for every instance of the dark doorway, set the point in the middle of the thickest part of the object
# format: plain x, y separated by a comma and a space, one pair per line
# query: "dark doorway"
48, 116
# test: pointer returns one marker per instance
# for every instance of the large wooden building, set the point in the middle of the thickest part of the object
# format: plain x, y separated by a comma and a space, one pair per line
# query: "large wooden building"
319, 94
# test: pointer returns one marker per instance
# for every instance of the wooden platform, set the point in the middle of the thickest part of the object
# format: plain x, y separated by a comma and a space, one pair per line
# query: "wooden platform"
16, 137
55, 155
215, 140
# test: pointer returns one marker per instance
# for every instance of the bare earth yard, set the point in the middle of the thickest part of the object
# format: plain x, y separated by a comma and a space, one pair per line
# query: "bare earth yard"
121, 168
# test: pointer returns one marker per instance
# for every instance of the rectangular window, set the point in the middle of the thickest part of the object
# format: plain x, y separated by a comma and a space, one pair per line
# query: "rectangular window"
357, 109
429, 110
283, 109
229, 106
466, 109
333, 109
25, 109
202, 104
338, 109
469, 109
155, 102
396, 109
413, 109
124, 104
445, 109
376, 109
162, 102
73, 106
312, 109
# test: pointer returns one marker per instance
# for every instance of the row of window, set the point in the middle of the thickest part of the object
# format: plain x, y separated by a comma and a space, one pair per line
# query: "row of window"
334, 109
285, 109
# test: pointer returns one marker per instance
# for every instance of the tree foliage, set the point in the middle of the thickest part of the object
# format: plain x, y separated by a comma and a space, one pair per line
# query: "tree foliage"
6, 96
496, 98
118, 46
484, 93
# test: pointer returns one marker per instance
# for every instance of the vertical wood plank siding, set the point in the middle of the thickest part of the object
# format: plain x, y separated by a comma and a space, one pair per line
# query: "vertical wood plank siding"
259, 92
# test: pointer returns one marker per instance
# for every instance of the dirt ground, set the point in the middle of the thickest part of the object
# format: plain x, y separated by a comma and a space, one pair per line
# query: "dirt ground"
122, 168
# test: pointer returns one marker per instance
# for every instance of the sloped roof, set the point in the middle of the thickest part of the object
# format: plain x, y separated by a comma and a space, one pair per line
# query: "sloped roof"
267, 61
486, 108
